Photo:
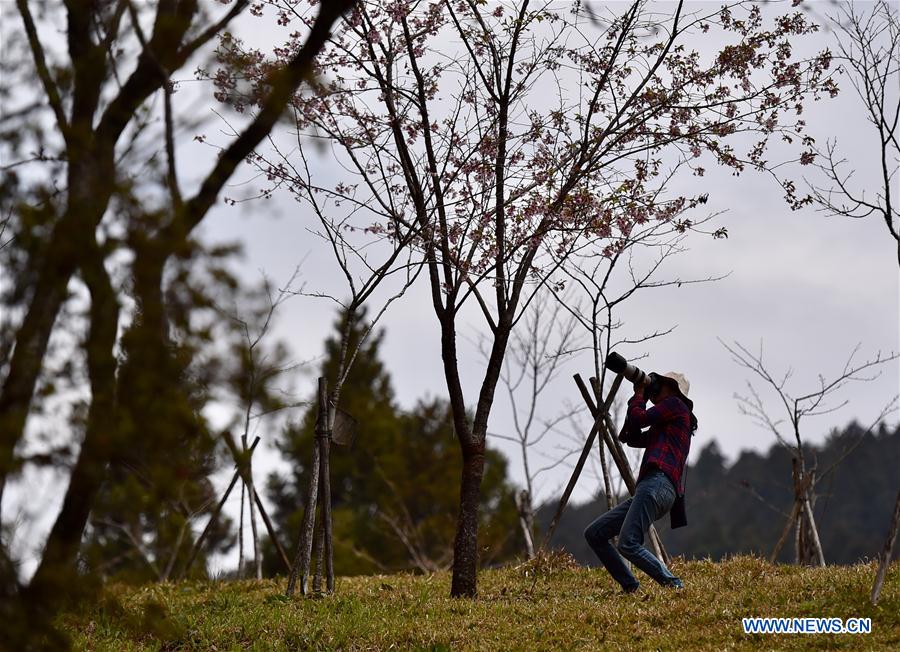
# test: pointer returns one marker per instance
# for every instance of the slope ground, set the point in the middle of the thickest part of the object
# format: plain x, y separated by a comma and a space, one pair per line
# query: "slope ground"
548, 605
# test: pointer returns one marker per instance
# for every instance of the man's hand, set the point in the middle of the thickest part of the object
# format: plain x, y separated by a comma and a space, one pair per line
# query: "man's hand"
638, 389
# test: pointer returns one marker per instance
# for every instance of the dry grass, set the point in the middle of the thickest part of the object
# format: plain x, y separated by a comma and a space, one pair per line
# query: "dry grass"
548, 605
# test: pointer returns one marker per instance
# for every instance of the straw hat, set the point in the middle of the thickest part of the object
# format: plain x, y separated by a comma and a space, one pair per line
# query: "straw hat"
681, 384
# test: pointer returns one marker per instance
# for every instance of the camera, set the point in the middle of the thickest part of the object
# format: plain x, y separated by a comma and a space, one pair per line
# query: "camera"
619, 365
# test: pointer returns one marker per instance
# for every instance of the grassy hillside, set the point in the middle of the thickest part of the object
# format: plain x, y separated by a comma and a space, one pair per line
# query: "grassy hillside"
546, 606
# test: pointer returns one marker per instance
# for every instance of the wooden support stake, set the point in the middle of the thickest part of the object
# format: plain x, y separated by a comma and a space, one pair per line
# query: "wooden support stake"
887, 551
195, 549
798, 532
564, 499
813, 530
609, 435
326, 513
317, 553
608, 492
785, 532
304, 548
235, 453
271, 530
576, 472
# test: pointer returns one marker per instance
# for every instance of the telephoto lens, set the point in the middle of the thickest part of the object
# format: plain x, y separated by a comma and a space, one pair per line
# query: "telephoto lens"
651, 382
619, 365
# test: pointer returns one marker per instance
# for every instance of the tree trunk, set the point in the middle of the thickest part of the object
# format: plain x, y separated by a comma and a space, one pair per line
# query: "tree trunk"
56, 574
307, 532
526, 520
57, 568
465, 544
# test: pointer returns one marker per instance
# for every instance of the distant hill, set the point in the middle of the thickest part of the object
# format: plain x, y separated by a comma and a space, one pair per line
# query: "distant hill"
732, 508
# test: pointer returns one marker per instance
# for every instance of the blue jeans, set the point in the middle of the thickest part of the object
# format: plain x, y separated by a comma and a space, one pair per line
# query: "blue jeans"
653, 498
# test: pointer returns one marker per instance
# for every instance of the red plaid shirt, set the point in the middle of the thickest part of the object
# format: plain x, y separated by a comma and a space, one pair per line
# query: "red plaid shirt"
668, 440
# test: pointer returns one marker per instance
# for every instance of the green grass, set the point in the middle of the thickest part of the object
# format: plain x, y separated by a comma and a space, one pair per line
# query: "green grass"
551, 605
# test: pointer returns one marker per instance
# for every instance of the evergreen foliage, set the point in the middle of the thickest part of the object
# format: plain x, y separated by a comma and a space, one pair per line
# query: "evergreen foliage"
395, 492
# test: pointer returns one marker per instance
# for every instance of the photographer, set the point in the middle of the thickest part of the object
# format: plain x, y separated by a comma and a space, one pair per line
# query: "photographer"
659, 484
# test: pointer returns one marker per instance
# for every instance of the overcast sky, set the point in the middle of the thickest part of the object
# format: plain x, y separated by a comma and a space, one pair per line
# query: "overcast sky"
809, 287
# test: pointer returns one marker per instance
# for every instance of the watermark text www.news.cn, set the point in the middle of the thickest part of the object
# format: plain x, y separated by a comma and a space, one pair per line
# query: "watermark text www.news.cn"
807, 625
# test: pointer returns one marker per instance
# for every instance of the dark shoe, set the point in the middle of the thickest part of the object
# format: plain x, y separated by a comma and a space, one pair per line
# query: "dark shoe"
631, 589
676, 584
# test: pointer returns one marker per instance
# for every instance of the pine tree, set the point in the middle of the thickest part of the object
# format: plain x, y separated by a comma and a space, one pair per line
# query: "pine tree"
395, 492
